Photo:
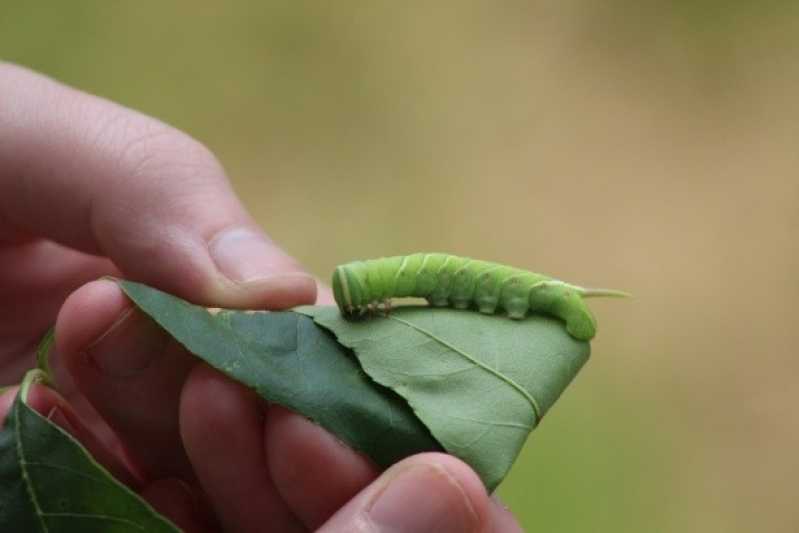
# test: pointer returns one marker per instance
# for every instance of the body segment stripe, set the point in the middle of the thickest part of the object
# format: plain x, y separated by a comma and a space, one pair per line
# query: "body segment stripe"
345, 288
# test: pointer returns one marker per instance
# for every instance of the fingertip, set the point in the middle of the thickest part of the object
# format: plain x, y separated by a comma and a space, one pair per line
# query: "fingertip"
460, 505
221, 425
87, 313
43, 400
299, 453
463, 484
208, 400
501, 519
324, 296
254, 273
273, 292
401, 499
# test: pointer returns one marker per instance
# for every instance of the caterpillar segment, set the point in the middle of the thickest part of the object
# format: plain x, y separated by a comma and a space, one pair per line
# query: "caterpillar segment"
452, 281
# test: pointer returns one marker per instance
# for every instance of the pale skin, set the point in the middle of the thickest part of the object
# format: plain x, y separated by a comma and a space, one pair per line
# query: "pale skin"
89, 188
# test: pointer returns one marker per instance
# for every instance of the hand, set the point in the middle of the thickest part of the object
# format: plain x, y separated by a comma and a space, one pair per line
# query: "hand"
89, 188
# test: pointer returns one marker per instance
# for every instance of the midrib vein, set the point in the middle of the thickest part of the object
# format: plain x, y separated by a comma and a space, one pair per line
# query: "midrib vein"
25, 474
503, 377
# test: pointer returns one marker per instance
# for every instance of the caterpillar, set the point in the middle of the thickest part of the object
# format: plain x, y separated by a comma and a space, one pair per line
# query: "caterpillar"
451, 281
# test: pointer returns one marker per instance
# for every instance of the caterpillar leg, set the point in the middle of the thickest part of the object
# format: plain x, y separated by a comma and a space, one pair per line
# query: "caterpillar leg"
354, 312
438, 301
516, 314
487, 304
461, 304
488, 287
515, 298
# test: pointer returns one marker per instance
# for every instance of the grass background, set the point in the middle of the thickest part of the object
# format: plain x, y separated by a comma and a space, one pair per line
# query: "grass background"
649, 146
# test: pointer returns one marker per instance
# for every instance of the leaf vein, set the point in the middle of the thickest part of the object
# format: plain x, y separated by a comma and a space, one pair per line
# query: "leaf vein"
493, 422
97, 517
70, 470
475, 440
533, 402
25, 474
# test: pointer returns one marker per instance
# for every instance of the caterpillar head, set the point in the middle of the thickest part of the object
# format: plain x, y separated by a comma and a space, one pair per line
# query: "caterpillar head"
348, 290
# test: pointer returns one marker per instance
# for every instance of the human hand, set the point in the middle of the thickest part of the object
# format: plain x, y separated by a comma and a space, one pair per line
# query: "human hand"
88, 188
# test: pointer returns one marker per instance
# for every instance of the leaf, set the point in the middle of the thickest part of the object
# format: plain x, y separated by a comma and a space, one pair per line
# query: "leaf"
50, 483
43, 352
480, 383
289, 360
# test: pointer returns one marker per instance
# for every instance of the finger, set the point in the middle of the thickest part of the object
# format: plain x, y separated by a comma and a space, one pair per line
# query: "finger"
41, 399
324, 296
173, 498
130, 372
52, 406
299, 454
35, 270
222, 427
429, 492
109, 181
501, 519
37, 277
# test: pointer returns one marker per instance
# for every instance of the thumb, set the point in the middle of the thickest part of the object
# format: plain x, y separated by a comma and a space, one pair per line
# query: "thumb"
109, 181
430, 492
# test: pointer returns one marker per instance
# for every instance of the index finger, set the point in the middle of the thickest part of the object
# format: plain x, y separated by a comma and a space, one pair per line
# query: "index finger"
110, 181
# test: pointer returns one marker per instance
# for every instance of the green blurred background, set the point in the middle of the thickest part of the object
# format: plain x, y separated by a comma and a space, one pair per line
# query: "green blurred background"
649, 146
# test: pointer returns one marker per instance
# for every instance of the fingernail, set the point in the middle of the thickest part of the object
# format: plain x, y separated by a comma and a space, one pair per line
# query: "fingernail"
128, 346
244, 255
423, 498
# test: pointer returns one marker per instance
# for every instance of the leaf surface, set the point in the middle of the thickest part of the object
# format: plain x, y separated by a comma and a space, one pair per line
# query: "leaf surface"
49, 483
479, 382
287, 359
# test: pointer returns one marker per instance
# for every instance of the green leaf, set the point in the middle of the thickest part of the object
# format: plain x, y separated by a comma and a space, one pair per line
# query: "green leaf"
50, 483
289, 360
479, 382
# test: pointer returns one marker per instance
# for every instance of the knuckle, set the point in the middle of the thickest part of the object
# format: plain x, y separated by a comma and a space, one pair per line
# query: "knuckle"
158, 172
145, 149
157, 151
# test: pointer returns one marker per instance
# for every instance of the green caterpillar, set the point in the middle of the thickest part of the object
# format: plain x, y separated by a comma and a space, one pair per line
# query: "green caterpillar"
460, 282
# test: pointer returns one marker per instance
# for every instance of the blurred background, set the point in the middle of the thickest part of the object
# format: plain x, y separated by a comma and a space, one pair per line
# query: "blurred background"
649, 146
